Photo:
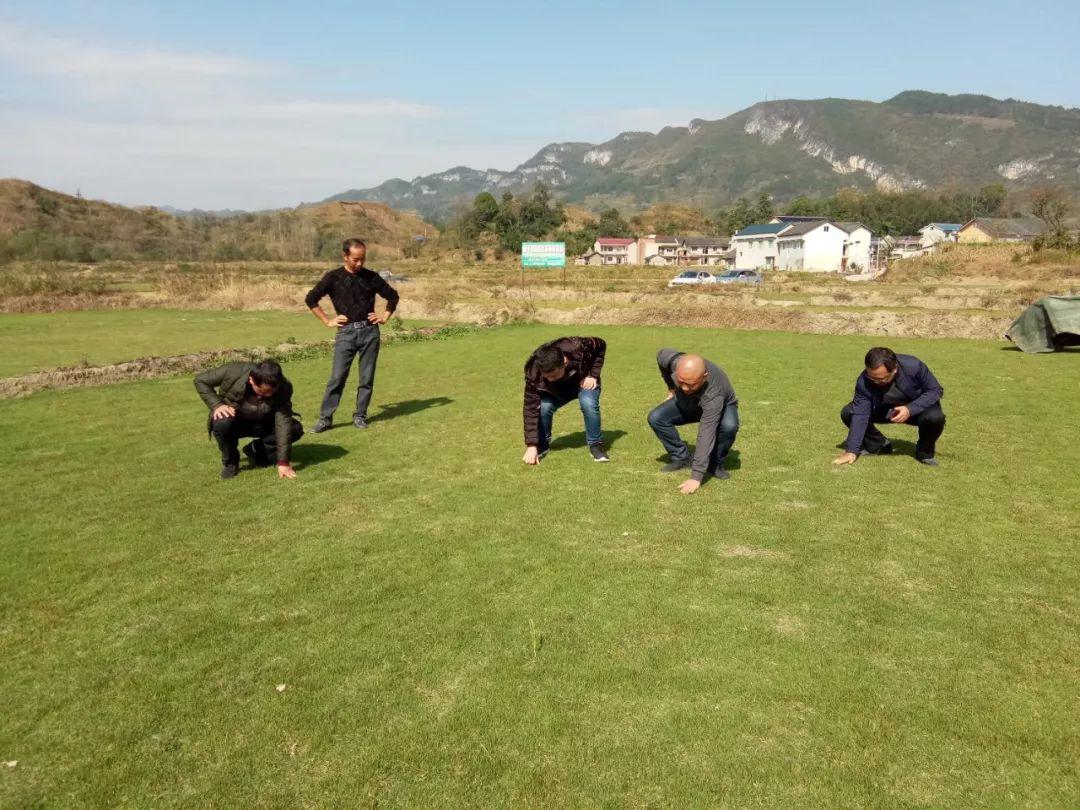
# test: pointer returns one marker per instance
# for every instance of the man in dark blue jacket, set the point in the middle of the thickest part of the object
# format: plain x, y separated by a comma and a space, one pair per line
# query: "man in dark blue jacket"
896, 388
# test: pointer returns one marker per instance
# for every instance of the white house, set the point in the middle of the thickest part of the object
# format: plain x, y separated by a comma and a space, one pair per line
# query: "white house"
702, 250
858, 247
613, 250
936, 232
755, 245
824, 247
906, 247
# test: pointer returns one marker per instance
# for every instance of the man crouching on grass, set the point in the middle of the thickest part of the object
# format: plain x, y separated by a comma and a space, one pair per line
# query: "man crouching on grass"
555, 374
698, 391
897, 389
251, 400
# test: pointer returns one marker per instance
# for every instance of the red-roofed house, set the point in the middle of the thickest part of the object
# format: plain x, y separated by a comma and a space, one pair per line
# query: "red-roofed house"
617, 251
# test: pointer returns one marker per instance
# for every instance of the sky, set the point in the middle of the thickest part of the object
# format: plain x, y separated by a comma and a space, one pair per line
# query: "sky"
263, 105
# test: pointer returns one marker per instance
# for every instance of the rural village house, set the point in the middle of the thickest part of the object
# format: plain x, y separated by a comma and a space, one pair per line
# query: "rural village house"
824, 246
755, 245
1000, 229
930, 235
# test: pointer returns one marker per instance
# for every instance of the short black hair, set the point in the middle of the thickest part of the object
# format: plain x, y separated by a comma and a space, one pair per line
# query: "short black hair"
351, 243
880, 356
549, 358
268, 372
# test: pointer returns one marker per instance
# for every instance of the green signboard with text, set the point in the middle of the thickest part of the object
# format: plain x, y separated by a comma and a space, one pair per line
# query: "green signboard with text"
543, 254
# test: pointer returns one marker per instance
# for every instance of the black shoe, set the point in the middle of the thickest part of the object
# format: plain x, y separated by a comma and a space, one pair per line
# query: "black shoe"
598, 453
360, 422
929, 461
229, 471
321, 425
675, 465
256, 451
719, 473
886, 450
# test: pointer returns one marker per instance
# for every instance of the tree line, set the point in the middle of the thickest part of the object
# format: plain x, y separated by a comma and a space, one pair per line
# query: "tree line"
61, 228
537, 216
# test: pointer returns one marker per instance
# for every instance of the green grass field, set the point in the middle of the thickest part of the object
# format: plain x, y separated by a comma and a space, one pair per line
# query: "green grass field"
38, 342
456, 629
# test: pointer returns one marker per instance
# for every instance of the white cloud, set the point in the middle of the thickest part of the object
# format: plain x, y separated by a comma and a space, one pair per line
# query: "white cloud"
179, 85
227, 163
331, 110
113, 70
150, 125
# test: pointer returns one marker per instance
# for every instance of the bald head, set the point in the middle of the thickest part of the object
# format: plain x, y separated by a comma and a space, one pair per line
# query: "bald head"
690, 373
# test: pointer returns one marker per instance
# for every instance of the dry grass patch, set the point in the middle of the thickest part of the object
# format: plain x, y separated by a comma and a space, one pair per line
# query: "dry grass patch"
1002, 262
753, 552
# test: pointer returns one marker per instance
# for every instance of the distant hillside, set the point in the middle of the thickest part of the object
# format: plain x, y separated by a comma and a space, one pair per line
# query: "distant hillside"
787, 149
199, 212
38, 223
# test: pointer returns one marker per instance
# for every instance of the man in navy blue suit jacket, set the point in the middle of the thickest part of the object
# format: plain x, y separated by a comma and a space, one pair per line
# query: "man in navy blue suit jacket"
896, 388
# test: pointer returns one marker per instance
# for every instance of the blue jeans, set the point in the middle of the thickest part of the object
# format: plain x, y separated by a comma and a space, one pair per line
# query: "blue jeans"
590, 409
667, 416
351, 340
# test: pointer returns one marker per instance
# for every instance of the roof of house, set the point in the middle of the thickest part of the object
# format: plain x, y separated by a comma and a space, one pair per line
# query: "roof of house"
794, 219
801, 229
948, 227
614, 241
770, 229
658, 238
705, 241
1009, 227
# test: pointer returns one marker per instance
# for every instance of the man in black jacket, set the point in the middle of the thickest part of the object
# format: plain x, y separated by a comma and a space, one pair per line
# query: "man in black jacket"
555, 374
898, 389
251, 399
352, 289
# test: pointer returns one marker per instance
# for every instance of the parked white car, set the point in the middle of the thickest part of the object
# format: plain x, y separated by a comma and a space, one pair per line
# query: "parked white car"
739, 277
692, 277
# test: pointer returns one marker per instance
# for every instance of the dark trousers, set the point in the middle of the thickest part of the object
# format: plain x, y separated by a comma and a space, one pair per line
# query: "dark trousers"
665, 418
228, 433
351, 340
931, 424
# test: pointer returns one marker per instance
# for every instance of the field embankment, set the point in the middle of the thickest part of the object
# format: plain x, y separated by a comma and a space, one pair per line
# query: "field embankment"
964, 291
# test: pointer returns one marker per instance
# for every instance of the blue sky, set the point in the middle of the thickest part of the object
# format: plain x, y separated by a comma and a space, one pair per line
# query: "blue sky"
252, 105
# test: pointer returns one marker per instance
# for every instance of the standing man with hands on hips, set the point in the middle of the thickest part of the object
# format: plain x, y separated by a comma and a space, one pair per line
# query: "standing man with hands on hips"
352, 289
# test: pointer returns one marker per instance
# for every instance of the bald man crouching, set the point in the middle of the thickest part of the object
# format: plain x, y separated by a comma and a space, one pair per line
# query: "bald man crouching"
698, 391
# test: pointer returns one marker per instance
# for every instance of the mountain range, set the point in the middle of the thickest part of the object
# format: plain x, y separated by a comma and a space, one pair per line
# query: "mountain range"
915, 140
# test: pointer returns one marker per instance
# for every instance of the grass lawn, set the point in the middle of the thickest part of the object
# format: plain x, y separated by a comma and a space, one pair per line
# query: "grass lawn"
37, 342
455, 629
